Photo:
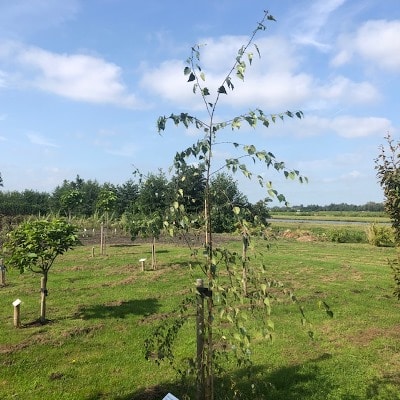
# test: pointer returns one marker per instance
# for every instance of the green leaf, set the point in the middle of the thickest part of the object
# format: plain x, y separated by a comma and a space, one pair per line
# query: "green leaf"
222, 90
187, 71
205, 92
192, 77
202, 76
236, 210
236, 123
250, 57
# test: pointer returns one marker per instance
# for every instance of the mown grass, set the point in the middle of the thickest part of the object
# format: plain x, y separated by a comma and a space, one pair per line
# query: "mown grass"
341, 216
103, 308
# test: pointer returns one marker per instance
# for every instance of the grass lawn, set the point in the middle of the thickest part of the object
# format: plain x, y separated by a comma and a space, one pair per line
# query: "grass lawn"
103, 308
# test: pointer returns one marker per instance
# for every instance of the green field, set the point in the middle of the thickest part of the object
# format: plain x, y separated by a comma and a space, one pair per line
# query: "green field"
103, 308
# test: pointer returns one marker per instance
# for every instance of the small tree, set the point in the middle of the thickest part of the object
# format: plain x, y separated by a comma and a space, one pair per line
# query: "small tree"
223, 290
388, 172
147, 215
71, 200
34, 246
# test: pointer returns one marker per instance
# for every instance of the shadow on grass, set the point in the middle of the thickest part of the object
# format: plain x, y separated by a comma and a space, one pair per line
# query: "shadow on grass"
387, 387
299, 382
119, 309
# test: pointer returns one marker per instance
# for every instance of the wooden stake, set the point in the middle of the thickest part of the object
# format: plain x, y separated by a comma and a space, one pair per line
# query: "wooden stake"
2, 273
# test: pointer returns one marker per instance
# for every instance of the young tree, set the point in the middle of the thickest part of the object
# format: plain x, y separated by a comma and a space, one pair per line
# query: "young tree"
220, 292
147, 216
388, 172
35, 245
224, 196
70, 200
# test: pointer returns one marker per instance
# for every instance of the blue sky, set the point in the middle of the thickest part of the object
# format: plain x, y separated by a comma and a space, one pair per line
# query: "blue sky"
82, 83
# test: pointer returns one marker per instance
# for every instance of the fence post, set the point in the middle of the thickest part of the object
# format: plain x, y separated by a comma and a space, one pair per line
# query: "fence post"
2, 273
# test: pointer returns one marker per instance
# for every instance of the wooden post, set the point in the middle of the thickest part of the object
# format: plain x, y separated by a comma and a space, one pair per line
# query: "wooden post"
153, 254
93, 251
17, 313
200, 325
43, 295
102, 239
142, 260
2, 273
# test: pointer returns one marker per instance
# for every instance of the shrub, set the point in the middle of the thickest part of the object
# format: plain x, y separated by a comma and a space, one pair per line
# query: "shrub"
380, 235
346, 235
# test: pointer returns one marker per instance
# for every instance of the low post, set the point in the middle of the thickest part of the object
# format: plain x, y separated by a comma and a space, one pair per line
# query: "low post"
142, 260
17, 313
102, 244
2, 273
93, 251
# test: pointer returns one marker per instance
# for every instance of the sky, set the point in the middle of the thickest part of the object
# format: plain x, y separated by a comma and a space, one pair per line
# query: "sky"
82, 83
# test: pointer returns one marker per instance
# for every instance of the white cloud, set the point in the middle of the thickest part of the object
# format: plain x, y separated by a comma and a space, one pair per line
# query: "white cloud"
313, 20
344, 126
40, 140
78, 77
273, 83
356, 127
343, 90
376, 41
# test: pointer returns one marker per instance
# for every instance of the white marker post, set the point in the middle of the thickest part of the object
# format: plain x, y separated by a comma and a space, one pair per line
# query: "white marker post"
142, 260
17, 312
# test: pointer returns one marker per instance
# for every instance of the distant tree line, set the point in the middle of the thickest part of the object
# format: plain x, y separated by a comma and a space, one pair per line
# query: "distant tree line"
135, 199
370, 206
152, 195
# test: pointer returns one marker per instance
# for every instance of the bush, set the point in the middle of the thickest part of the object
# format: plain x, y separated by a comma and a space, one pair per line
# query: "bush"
346, 235
380, 235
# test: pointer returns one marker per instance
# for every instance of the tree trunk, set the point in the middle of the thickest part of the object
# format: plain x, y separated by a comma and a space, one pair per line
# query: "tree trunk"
43, 295
208, 351
200, 342
244, 262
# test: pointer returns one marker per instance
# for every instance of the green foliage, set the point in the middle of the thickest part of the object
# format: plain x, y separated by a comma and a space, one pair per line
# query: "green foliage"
346, 235
146, 218
224, 197
388, 173
71, 200
395, 265
380, 235
34, 245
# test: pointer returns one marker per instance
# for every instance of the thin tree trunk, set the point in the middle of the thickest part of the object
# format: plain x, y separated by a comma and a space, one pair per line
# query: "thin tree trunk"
244, 262
43, 295
200, 342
